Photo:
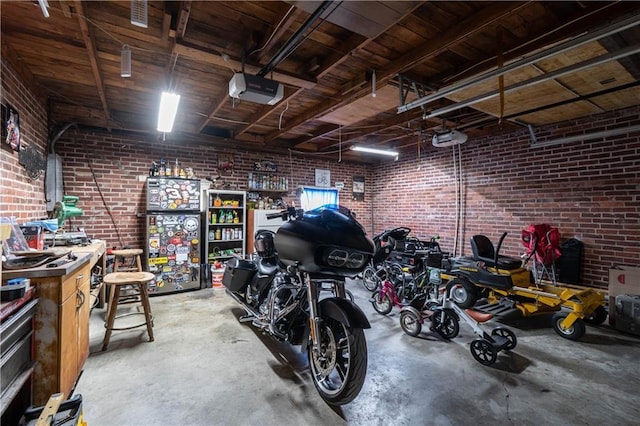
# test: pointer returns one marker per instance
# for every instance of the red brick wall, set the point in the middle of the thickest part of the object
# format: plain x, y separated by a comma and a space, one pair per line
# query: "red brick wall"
589, 189
120, 162
20, 195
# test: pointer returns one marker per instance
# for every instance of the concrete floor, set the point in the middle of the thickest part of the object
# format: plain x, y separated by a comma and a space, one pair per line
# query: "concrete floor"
205, 368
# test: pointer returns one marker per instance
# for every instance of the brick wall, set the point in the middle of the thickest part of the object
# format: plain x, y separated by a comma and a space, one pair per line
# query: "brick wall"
22, 196
112, 167
589, 189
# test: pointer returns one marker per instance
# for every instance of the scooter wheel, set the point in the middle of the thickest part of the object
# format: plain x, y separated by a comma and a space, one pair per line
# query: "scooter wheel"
445, 324
507, 334
483, 352
410, 324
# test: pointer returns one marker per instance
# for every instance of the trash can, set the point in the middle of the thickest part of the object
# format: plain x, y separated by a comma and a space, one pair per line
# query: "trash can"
570, 263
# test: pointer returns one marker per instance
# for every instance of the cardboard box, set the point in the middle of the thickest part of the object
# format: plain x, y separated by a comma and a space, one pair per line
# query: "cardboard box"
34, 236
622, 280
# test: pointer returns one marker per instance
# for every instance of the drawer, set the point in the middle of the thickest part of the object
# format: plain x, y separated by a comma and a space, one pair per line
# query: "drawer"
15, 361
74, 281
17, 326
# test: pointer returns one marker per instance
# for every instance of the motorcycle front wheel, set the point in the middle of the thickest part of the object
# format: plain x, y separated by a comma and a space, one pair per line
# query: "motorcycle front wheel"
339, 365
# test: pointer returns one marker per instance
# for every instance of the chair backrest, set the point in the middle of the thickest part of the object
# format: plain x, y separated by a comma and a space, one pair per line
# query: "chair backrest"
482, 248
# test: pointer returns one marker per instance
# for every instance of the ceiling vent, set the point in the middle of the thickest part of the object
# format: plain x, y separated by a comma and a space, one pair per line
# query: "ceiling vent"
255, 89
449, 138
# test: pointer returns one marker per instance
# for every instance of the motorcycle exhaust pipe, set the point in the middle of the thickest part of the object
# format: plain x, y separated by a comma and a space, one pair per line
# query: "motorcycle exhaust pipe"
253, 314
254, 317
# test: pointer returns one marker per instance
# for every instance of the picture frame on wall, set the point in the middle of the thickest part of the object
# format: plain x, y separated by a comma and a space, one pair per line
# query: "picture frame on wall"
358, 188
11, 127
323, 178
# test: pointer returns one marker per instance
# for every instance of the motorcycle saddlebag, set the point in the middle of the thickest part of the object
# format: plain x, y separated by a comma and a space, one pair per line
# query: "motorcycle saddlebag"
238, 273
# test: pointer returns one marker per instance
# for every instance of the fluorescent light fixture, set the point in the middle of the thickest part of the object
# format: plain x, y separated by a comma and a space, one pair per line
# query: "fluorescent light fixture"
125, 61
375, 151
168, 109
44, 5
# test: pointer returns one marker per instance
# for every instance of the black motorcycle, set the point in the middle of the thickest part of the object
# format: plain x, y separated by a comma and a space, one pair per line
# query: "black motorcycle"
295, 291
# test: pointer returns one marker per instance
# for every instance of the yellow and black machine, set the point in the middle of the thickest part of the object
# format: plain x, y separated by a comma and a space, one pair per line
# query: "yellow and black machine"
510, 290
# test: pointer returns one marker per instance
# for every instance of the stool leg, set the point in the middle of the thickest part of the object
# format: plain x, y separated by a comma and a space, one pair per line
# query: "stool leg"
144, 298
111, 315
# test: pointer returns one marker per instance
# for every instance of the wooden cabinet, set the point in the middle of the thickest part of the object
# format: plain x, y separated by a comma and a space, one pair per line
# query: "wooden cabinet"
62, 330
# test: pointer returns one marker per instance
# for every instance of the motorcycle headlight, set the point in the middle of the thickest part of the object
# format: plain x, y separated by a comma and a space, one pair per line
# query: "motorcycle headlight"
340, 258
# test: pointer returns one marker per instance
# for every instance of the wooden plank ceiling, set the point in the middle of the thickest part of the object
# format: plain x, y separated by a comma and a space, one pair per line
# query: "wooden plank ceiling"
326, 55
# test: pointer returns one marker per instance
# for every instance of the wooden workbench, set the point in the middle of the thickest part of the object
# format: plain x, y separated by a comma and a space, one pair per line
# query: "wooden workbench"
61, 344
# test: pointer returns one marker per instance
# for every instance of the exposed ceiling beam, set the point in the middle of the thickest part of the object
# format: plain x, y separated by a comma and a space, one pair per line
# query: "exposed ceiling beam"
91, 50
557, 49
485, 17
353, 44
631, 50
197, 54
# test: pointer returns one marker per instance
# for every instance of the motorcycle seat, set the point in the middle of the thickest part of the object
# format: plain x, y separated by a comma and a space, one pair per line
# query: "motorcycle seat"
267, 266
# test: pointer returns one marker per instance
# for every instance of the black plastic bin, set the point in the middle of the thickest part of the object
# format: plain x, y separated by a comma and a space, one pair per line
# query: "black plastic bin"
570, 263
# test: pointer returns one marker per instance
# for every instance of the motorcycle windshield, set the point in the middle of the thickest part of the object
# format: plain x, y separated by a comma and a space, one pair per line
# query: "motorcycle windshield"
332, 215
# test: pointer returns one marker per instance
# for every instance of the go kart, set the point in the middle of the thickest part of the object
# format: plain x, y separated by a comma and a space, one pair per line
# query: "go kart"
511, 290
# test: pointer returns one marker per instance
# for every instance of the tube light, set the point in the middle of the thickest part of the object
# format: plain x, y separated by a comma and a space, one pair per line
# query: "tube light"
168, 109
125, 61
375, 151
44, 6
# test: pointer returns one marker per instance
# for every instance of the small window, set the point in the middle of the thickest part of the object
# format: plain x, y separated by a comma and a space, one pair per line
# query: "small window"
311, 197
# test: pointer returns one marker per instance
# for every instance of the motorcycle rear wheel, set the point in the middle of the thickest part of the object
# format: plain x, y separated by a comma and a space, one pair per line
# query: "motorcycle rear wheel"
339, 367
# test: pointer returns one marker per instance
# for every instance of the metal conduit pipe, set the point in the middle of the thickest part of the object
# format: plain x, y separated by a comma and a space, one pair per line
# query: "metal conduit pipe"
585, 137
286, 48
584, 39
628, 51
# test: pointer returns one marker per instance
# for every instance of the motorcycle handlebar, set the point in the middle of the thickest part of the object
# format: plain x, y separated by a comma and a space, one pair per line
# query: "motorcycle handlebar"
290, 212
282, 214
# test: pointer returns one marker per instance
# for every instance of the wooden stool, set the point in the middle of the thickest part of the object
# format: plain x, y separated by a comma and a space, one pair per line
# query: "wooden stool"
116, 281
131, 263
131, 256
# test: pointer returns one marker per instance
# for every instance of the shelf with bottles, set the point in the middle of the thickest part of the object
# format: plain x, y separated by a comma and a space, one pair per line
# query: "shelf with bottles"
226, 199
267, 182
226, 234
225, 216
226, 225
218, 254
